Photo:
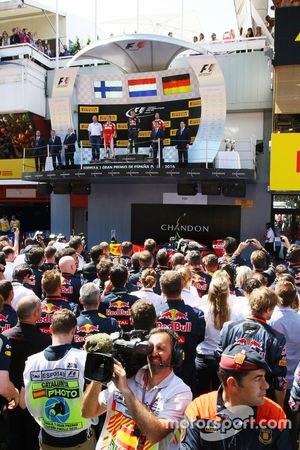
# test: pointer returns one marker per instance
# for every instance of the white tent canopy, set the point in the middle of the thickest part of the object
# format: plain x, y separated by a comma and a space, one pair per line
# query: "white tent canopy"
137, 52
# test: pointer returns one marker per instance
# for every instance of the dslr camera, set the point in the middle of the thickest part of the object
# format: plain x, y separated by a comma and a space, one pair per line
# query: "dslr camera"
38, 237
131, 350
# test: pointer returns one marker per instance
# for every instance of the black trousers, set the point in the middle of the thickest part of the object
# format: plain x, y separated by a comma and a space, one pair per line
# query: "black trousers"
206, 374
133, 139
39, 163
54, 156
23, 430
182, 156
69, 159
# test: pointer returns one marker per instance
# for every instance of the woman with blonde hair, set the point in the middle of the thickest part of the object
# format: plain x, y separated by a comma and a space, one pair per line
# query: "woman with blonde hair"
149, 279
189, 293
217, 311
243, 273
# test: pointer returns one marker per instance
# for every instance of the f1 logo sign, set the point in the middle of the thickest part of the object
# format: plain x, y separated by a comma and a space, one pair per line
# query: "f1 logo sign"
206, 69
134, 45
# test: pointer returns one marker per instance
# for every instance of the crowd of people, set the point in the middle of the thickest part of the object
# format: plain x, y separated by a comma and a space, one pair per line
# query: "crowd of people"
134, 338
23, 36
231, 36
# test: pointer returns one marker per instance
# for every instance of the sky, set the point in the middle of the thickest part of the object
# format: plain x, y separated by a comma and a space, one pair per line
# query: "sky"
149, 16
159, 16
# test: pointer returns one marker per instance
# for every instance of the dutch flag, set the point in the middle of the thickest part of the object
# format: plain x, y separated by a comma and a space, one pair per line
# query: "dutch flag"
108, 89
143, 87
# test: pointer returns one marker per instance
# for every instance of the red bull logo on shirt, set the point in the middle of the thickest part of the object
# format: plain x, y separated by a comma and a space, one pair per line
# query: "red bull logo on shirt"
120, 311
174, 316
256, 345
88, 328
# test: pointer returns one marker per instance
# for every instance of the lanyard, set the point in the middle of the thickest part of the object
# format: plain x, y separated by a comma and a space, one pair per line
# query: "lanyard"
141, 437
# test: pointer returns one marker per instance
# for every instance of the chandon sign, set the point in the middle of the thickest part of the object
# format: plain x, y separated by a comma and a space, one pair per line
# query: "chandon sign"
191, 228
203, 223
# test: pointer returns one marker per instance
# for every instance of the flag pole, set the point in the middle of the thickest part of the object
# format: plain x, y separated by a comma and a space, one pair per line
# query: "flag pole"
96, 20
56, 35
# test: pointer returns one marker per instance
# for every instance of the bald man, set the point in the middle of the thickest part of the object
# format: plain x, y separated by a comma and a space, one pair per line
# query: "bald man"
71, 284
25, 339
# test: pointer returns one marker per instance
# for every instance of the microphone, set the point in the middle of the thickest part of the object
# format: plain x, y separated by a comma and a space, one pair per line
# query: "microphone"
99, 361
99, 343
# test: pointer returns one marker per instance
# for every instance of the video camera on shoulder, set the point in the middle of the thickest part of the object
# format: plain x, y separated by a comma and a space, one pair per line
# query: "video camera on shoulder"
131, 350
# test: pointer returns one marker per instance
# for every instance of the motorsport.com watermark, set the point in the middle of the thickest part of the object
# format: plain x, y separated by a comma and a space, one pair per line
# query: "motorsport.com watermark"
232, 421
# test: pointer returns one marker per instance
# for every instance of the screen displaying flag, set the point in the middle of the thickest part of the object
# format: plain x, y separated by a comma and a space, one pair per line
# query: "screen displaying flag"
143, 87
176, 84
108, 89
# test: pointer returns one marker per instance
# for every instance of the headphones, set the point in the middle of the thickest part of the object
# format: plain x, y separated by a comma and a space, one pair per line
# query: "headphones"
177, 356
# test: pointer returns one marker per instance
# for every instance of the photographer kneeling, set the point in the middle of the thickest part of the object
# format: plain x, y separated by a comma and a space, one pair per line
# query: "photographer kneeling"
144, 409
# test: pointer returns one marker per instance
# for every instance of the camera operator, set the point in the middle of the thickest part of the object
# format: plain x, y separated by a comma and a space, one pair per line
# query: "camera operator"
146, 406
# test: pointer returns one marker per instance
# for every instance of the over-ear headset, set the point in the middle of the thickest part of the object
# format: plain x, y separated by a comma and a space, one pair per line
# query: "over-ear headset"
177, 356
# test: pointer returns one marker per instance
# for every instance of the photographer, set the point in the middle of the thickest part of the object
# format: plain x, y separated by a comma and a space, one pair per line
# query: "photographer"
58, 415
148, 405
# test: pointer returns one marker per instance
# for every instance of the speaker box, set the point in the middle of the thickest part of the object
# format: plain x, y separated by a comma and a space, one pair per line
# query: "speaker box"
81, 189
44, 189
259, 148
62, 188
234, 189
211, 188
187, 189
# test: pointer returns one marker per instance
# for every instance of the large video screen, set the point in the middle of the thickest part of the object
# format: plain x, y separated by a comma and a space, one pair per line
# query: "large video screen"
172, 113
17, 131
203, 223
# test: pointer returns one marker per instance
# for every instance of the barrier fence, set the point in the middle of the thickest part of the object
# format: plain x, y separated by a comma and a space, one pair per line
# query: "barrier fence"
240, 154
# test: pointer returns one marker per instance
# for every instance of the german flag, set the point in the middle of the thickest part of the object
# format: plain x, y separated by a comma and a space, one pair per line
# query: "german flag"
176, 84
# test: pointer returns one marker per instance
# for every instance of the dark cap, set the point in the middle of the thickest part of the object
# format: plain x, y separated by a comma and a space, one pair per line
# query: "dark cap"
239, 357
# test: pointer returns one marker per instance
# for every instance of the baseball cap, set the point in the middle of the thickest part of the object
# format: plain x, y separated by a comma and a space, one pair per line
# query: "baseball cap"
239, 357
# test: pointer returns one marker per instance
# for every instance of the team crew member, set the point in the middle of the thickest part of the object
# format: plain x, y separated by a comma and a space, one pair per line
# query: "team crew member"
133, 125
7, 389
57, 407
71, 283
25, 339
90, 320
35, 258
95, 132
8, 316
109, 133
145, 407
188, 322
89, 270
232, 252
200, 279
116, 301
51, 285
255, 332
240, 399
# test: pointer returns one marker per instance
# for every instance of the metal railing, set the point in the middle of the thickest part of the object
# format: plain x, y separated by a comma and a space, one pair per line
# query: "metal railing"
240, 154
